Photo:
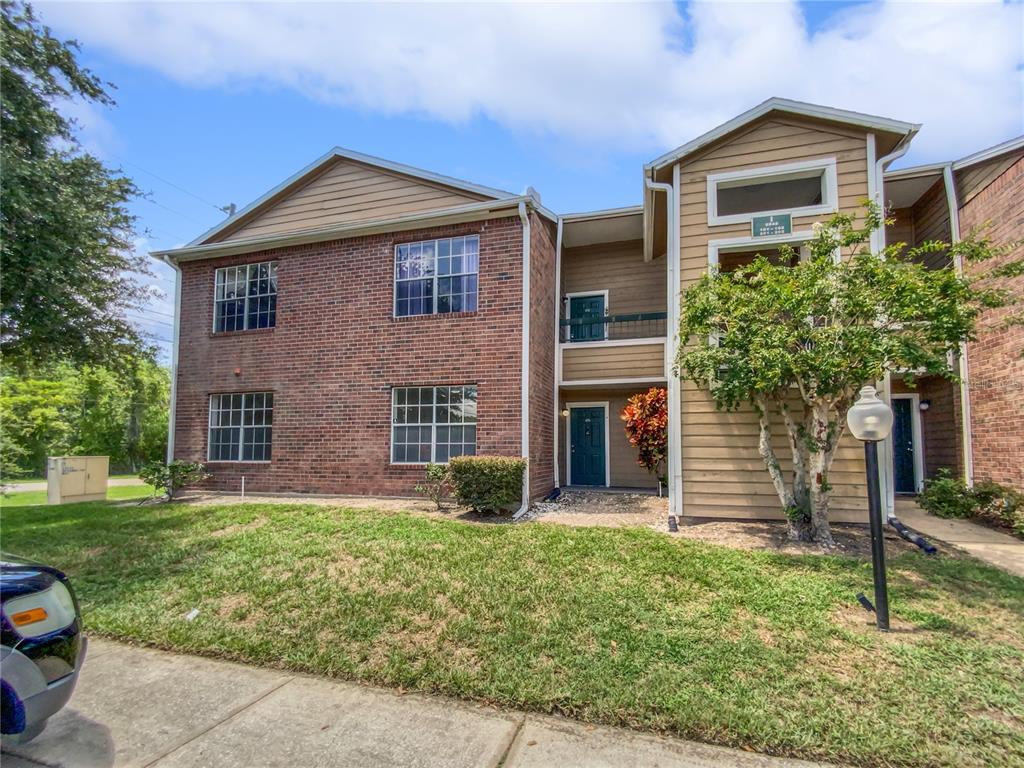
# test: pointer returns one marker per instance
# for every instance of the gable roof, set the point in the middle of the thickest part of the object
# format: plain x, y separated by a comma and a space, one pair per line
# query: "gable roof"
297, 180
776, 104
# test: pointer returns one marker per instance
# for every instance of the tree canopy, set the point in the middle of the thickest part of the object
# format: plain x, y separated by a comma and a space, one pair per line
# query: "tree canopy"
798, 342
85, 410
66, 235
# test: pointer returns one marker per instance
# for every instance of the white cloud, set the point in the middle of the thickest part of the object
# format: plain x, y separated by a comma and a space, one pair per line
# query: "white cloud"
642, 76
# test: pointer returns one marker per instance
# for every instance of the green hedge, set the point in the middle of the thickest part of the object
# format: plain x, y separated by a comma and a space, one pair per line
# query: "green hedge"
488, 483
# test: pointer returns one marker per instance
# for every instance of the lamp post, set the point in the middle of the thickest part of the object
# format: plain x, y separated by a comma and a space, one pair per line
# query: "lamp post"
870, 420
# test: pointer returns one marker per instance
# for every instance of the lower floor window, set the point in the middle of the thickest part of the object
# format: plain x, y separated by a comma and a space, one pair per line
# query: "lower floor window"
241, 426
432, 424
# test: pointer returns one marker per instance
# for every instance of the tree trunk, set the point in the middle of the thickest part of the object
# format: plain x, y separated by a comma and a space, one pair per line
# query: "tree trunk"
800, 514
767, 452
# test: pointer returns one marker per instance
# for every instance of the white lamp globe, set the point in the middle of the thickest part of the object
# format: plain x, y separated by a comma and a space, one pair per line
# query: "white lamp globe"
869, 419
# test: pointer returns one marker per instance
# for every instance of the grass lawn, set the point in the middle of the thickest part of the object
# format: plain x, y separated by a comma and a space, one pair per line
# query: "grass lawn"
114, 493
620, 626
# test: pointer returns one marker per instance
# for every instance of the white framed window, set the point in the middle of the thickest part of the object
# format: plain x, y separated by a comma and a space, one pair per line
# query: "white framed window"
241, 426
245, 297
437, 276
806, 188
432, 424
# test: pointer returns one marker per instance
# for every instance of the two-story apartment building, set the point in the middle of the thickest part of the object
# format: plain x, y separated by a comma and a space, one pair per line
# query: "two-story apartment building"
366, 317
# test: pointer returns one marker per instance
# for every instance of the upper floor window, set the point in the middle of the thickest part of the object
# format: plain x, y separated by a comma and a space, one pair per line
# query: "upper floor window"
803, 189
245, 297
437, 276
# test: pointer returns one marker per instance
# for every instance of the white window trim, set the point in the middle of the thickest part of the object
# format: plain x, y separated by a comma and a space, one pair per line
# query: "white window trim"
433, 424
435, 277
917, 432
568, 441
217, 271
582, 295
830, 189
209, 427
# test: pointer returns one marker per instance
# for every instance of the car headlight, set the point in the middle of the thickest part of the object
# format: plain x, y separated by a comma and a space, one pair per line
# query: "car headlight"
42, 612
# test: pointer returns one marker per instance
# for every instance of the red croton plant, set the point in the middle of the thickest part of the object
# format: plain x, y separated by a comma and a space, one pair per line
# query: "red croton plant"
646, 417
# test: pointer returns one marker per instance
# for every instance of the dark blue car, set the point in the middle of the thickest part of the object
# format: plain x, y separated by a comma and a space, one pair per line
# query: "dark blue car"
42, 645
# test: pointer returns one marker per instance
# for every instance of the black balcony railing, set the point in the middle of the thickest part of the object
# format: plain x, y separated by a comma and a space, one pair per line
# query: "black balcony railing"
642, 325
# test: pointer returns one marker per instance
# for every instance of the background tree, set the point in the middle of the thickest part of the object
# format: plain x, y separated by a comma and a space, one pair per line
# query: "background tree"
84, 410
65, 232
646, 418
797, 343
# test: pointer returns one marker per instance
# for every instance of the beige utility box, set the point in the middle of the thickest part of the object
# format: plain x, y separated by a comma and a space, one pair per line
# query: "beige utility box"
70, 479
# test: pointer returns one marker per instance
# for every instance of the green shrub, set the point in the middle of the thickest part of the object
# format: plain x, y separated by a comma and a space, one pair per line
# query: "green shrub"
488, 483
436, 484
1000, 504
174, 476
947, 496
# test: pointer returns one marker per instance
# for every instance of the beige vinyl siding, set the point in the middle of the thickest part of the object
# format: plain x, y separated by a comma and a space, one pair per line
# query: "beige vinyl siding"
902, 229
624, 470
346, 192
972, 180
633, 361
723, 474
633, 285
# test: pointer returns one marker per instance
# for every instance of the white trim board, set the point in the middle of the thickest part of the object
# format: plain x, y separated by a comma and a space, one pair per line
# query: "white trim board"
917, 435
612, 382
768, 173
607, 442
612, 343
728, 244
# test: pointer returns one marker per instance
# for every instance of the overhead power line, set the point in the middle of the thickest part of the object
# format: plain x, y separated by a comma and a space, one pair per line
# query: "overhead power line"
178, 187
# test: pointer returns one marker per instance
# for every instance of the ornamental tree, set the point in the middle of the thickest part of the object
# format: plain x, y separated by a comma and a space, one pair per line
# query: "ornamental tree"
796, 343
646, 417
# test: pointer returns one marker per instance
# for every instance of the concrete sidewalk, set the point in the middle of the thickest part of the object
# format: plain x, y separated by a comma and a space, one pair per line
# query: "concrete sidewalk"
994, 547
139, 707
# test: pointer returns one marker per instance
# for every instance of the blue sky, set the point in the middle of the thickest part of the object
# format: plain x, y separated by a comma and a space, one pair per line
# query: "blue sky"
217, 103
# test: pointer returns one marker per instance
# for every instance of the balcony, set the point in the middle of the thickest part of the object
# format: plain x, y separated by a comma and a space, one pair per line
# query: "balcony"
612, 349
643, 325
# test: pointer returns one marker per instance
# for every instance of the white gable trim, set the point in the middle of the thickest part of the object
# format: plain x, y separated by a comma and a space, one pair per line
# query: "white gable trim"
871, 122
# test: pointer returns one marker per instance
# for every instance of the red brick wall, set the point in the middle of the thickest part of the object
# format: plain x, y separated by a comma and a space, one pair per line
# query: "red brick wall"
337, 352
996, 366
542, 355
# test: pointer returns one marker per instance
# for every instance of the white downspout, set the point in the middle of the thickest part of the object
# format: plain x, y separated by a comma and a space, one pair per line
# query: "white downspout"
963, 364
524, 399
672, 332
558, 348
877, 181
174, 355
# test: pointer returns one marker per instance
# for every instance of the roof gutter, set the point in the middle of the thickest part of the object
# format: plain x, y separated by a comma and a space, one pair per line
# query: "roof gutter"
524, 387
456, 214
674, 458
963, 365
876, 190
169, 261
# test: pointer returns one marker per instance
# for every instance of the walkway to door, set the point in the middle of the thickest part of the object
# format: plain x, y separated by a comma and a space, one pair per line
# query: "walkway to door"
994, 547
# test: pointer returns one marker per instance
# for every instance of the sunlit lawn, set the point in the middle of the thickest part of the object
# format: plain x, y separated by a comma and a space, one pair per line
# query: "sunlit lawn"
114, 493
622, 626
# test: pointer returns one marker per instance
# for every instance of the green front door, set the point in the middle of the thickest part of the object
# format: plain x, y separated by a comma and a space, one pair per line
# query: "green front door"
586, 446
903, 447
587, 314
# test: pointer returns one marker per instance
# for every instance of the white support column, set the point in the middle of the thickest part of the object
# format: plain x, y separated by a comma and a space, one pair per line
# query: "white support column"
675, 425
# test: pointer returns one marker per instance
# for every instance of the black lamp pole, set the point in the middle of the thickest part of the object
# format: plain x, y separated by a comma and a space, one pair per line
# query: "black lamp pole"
877, 540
